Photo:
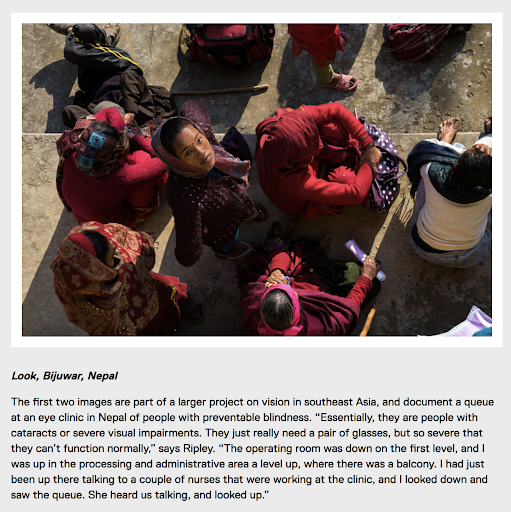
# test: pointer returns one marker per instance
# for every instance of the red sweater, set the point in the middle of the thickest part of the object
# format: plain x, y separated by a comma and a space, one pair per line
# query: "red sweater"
105, 199
291, 188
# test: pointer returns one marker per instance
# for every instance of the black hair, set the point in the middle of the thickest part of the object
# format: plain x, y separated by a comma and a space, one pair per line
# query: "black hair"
100, 244
106, 129
474, 171
277, 310
170, 130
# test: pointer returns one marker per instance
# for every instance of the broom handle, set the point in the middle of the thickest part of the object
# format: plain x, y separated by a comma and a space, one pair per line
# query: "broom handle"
369, 319
253, 88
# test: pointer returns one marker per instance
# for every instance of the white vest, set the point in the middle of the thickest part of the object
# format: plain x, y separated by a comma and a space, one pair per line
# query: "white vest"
449, 226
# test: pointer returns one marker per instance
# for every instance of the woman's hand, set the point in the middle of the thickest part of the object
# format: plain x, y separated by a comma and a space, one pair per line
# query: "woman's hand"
277, 277
484, 148
370, 268
371, 156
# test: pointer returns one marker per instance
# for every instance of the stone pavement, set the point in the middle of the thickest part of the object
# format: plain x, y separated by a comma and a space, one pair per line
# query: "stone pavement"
407, 100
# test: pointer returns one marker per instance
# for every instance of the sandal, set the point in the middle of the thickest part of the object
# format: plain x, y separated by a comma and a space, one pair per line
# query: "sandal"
343, 84
194, 311
242, 255
60, 28
345, 37
113, 33
260, 213
185, 39
487, 126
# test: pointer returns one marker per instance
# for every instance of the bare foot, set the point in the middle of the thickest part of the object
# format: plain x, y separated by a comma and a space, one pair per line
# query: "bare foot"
487, 125
448, 129
326, 242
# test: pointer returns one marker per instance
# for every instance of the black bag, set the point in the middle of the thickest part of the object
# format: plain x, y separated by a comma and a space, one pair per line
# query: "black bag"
233, 46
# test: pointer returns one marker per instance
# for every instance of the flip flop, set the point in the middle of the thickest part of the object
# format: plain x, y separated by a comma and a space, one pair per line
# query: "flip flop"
343, 84
113, 33
260, 213
188, 311
60, 28
242, 255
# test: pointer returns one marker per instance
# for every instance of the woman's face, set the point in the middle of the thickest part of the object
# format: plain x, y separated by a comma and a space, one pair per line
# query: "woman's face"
193, 148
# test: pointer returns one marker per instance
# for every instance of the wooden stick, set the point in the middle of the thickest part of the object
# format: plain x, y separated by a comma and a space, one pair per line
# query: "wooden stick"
253, 88
369, 319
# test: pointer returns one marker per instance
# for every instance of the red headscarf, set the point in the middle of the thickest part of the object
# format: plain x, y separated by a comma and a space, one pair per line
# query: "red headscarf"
100, 299
95, 154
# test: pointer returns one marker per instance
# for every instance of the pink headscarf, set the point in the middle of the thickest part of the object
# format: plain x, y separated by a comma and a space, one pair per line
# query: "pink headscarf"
224, 161
265, 330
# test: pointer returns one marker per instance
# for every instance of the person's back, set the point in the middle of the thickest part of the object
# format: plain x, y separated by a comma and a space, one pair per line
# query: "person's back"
103, 200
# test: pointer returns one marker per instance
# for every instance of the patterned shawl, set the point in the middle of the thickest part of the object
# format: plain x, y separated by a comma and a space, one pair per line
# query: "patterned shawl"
96, 154
224, 161
102, 300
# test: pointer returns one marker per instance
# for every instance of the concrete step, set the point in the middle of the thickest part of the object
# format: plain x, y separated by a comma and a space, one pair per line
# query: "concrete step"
46, 223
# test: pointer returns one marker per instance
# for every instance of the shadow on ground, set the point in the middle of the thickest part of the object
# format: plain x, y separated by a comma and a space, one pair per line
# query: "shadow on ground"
57, 79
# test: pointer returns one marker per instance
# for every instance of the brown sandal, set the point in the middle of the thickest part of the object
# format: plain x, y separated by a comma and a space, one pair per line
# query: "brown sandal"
113, 33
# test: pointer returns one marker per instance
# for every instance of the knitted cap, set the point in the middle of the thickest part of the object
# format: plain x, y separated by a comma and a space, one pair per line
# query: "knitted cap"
108, 104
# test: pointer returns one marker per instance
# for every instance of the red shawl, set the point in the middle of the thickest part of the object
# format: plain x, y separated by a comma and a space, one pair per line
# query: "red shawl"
306, 159
321, 314
102, 300
321, 41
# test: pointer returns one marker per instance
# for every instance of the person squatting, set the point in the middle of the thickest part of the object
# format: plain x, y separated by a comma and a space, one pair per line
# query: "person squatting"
128, 149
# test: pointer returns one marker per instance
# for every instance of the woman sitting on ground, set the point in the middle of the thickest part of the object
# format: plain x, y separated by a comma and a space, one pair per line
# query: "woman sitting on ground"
207, 186
297, 289
108, 174
103, 280
315, 160
451, 221
107, 73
